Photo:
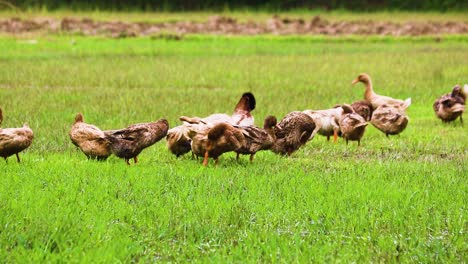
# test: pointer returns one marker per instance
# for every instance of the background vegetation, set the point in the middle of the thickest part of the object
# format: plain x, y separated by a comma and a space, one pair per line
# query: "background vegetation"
271, 5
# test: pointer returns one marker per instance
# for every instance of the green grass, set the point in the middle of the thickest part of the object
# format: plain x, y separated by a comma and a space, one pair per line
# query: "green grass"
397, 199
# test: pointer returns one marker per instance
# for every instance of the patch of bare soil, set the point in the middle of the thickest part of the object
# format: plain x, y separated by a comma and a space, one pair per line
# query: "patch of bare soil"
229, 26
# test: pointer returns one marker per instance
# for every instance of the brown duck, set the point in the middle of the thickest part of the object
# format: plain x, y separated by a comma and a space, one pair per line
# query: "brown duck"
129, 142
451, 106
178, 141
390, 119
213, 142
377, 100
257, 139
363, 108
293, 131
90, 139
352, 125
14, 140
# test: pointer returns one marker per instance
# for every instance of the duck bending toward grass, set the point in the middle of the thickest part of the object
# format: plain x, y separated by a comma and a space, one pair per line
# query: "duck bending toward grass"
326, 122
212, 142
451, 106
129, 142
352, 125
14, 140
256, 138
89, 139
377, 100
292, 132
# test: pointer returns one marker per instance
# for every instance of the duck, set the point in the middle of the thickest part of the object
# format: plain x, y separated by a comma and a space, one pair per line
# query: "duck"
178, 139
377, 100
292, 132
129, 142
326, 122
352, 125
257, 139
212, 142
363, 108
390, 119
91, 140
14, 140
451, 106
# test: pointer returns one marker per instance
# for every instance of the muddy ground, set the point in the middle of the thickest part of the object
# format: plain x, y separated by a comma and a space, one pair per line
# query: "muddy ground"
229, 26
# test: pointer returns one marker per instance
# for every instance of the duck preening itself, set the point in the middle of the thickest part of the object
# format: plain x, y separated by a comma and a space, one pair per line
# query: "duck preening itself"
14, 140
375, 99
256, 138
178, 141
129, 142
451, 106
292, 132
221, 138
91, 140
352, 125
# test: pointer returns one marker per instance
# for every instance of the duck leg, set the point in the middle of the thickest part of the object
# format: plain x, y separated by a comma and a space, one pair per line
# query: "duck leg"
216, 161
237, 157
205, 159
17, 158
135, 159
335, 136
127, 161
252, 157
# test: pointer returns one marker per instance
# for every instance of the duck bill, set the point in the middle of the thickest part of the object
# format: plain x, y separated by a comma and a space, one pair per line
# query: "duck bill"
354, 82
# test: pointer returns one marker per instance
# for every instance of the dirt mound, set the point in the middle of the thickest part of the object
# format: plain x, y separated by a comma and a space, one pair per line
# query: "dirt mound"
229, 26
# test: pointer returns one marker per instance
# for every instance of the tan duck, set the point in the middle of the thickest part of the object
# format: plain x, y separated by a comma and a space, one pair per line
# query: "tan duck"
213, 142
326, 122
90, 139
377, 100
129, 142
178, 140
292, 132
14, 140
451, 106
257, 139
352, 125
363, 108
390, 119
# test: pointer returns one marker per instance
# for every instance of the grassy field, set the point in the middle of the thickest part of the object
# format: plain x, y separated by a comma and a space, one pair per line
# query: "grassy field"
392, 199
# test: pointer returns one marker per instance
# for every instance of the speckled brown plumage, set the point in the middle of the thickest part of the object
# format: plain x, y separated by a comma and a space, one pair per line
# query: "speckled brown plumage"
89, 139
222, 138
389, 119
450, 106
352, 125
257, 139
129, 142
363, 108
292, 132
14, 140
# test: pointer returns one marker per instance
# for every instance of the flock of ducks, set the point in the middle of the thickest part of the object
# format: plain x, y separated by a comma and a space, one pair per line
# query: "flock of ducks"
211, 136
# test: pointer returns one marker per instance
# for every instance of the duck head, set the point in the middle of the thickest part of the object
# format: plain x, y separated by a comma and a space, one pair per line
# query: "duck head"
363, 77
79, 118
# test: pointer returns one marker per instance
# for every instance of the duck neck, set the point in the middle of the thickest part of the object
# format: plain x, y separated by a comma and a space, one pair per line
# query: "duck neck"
369, 90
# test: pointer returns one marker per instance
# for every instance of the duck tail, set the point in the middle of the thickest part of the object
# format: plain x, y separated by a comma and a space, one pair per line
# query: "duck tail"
347, 109
407, 103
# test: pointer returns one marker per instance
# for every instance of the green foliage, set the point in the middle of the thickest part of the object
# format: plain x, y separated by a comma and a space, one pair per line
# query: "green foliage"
390, 200
272, 5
